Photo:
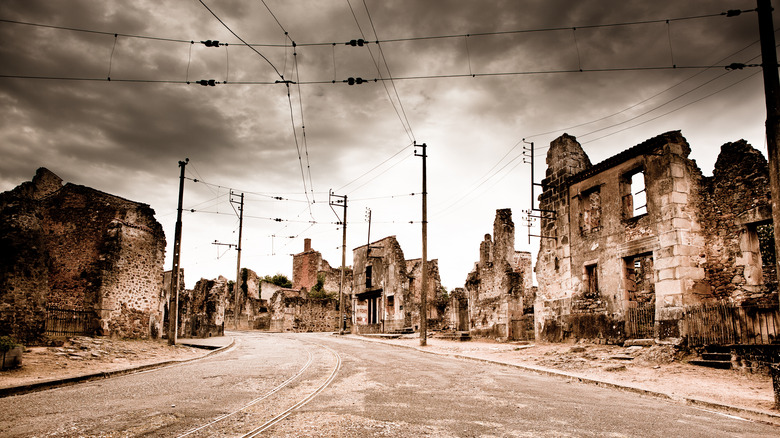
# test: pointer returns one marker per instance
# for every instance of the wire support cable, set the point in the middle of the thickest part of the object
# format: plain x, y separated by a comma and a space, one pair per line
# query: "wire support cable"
389, 75
241, 39
374, 168
404, 124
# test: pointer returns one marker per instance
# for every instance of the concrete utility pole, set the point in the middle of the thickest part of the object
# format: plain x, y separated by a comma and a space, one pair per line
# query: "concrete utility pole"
343, 202
173, 302
237, 288
424, 286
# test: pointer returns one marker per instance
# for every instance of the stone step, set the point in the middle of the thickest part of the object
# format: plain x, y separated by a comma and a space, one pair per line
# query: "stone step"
456, 336
720, 364
724, 357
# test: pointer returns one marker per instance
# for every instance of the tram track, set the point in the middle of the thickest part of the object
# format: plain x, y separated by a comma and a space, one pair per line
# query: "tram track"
236, 422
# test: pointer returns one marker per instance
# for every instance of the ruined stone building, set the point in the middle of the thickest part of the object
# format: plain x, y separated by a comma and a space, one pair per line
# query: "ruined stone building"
312, 305
500, 288
309, 266
202, 309
387, 288
645, 230
252, 303
74, 247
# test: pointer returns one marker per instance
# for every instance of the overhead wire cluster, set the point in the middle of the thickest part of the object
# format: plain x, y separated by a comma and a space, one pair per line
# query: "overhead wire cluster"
387, 77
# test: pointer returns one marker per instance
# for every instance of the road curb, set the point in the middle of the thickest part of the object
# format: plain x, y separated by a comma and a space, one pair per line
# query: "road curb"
765, 417
51, 384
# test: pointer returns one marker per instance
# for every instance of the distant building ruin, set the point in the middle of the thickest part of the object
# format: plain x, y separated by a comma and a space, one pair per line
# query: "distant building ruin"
387, 288
644, 233
76, 248
202, 309
312, 304
500, 288
309, 266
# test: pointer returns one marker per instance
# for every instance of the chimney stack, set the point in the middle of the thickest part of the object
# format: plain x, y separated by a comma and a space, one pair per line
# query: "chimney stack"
306, 245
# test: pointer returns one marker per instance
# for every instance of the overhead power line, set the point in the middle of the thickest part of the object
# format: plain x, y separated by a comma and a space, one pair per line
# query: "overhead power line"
212, 82
730, 13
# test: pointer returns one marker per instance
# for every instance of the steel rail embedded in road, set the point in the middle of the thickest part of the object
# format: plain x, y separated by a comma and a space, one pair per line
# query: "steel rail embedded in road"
255, 401
270, 423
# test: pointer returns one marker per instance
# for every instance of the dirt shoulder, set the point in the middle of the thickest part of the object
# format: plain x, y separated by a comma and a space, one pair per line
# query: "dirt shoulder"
655, 369
85, 355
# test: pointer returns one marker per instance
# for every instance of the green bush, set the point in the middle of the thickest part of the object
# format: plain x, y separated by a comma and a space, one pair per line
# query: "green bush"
7, 343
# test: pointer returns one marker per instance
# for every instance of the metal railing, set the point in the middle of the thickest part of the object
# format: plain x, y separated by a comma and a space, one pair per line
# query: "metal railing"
68, 322
725, 324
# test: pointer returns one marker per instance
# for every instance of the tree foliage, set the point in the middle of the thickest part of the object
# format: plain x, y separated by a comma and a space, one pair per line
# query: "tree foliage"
280, 280
318, 290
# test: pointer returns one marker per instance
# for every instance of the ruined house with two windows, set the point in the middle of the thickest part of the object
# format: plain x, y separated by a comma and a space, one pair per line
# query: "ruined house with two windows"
632, 243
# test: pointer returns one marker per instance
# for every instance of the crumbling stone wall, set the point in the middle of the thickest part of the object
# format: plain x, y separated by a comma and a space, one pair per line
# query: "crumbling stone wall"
692, 243
433, 296
202, 309
309, 266
293, 312
733, 203
499, 282
252, 308
93, 251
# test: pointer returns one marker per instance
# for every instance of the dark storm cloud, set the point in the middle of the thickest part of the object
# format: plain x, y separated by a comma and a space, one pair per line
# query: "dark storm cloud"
126, 138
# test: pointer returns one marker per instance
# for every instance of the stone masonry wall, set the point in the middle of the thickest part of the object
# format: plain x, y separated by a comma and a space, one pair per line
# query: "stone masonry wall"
694, 242
733, 202
102, 253
499, 282
202, 309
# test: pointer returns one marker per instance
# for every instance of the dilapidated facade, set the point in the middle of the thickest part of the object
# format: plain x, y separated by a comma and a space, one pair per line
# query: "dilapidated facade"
500, 288
312, 304
309, 267
202, 309
645, 231
73, 247
387, 288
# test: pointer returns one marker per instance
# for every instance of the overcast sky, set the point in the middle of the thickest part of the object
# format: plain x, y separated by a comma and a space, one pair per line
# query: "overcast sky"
126, 138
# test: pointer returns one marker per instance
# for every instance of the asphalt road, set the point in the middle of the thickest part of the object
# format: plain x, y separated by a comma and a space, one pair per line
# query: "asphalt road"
351, 388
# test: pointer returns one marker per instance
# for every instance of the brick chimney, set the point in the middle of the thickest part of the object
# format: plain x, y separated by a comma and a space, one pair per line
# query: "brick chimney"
306, 245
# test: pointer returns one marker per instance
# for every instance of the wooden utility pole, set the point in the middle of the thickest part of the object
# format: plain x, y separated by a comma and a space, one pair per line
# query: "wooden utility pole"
343, 202
772, 93
173, 301
237, 288
424, 285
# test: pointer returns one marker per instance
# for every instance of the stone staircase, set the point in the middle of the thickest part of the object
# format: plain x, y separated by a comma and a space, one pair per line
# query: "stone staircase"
403, 331
714, 357
455, 336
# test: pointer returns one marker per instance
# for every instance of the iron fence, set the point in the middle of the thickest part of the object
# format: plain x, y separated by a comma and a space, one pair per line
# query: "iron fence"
640, 321
725, 324
68, 322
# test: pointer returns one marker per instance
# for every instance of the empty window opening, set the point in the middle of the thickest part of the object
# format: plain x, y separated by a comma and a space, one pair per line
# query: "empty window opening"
634, 194
590, 211
368, 276
639, 280
591, 281
766, 245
